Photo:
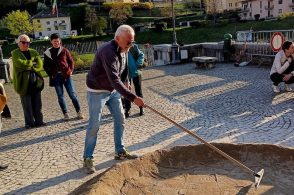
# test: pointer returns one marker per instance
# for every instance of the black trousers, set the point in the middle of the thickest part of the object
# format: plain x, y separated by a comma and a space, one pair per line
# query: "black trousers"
6, 112
278, 78
137, 81
32, 108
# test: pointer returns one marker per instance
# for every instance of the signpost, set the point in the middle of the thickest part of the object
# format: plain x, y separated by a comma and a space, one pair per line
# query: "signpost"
277, 41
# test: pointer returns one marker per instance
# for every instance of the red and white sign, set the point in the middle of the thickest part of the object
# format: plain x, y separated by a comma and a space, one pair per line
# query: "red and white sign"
277, 41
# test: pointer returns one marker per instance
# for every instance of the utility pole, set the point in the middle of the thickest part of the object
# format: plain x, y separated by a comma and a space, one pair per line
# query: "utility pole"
175, 47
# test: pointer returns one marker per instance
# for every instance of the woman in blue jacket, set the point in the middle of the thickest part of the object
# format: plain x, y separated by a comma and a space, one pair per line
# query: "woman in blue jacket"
135, 64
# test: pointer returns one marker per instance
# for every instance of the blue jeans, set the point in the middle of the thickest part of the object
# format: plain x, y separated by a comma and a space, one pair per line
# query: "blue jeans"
96, 102
70, 88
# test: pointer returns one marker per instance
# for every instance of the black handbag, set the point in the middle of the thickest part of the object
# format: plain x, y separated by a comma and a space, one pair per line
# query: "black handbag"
36, 82
32, 78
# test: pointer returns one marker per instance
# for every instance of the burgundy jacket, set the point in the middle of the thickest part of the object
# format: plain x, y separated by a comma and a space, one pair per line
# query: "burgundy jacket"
63, 64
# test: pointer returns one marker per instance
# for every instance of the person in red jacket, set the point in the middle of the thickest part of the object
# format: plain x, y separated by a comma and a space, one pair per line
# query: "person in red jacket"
59, 66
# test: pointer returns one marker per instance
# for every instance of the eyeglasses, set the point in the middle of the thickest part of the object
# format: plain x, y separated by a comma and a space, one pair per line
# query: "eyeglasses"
131, 43
24, 42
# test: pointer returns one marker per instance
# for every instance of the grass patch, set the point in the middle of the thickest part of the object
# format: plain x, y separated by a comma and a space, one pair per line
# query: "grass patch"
214, 33
83, 61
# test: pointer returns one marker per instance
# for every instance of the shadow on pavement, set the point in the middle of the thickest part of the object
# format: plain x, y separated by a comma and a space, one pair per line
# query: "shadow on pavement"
73, 175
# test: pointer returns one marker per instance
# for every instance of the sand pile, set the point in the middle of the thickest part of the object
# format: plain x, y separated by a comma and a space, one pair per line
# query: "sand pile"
199, 170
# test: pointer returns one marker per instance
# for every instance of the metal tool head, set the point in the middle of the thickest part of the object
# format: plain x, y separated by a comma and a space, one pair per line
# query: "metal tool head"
258, 176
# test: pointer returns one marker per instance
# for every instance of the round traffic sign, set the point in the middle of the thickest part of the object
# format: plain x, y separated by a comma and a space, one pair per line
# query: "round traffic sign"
277, 41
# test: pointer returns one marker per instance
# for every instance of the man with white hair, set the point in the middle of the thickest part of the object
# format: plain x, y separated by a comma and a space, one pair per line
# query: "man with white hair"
106, 82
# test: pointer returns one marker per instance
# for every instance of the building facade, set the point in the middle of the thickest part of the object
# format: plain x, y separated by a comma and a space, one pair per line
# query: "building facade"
219, 6
263, 9
52, 23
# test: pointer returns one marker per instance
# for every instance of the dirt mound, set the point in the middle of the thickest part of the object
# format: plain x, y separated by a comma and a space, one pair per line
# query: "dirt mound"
199, 170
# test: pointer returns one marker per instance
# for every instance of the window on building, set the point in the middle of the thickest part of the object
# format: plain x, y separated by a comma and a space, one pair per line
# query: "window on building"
48, 22
260, 11
63, 21
292, 1
292, 9
250, 14
55, 22
48, 29
260, 5
280, 11
280, 1
56, 27
40, 33
38, 21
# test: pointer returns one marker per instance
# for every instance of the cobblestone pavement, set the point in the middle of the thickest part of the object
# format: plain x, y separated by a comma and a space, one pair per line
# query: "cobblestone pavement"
225, 104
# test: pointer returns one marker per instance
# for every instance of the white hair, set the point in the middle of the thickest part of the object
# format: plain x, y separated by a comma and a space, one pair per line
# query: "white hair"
123, 30
22, 36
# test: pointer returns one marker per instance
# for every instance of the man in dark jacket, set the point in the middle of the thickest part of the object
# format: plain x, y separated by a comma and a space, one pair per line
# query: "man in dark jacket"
59, 65
106, 82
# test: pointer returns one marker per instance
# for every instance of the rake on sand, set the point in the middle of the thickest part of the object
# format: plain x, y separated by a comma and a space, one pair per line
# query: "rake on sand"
257, 176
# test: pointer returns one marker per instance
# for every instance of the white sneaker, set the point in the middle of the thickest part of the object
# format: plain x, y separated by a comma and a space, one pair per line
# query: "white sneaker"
276, 89
288, 88
66, 117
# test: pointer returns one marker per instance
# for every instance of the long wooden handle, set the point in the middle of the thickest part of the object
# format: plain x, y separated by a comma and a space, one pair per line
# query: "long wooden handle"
203, 141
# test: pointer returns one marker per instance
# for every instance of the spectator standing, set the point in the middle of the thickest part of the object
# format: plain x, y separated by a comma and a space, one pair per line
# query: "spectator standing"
59, 65
105, 85
28, 81
3, 100
135, 65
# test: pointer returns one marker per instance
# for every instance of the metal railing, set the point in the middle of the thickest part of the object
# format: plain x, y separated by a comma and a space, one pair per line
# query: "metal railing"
258, 43
92, 46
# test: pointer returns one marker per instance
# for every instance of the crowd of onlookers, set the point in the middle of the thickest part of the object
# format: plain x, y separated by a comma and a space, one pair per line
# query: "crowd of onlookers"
117, 64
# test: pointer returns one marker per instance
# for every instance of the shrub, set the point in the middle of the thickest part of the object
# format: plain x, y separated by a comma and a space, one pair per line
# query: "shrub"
285, 15
160, 27
79, 64
110, 5
198, 23
74, 55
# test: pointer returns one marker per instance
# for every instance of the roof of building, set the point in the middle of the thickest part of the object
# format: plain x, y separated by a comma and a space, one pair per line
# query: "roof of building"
48, 14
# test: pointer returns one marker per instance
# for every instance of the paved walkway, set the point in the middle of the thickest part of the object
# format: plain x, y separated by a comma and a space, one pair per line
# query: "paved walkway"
225, 104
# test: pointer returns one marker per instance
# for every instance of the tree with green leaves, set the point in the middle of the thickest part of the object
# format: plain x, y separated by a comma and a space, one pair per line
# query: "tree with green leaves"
120, 14
95, 23
19, 22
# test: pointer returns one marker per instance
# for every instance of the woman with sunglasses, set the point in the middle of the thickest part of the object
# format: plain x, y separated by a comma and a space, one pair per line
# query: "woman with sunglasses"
27, 63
